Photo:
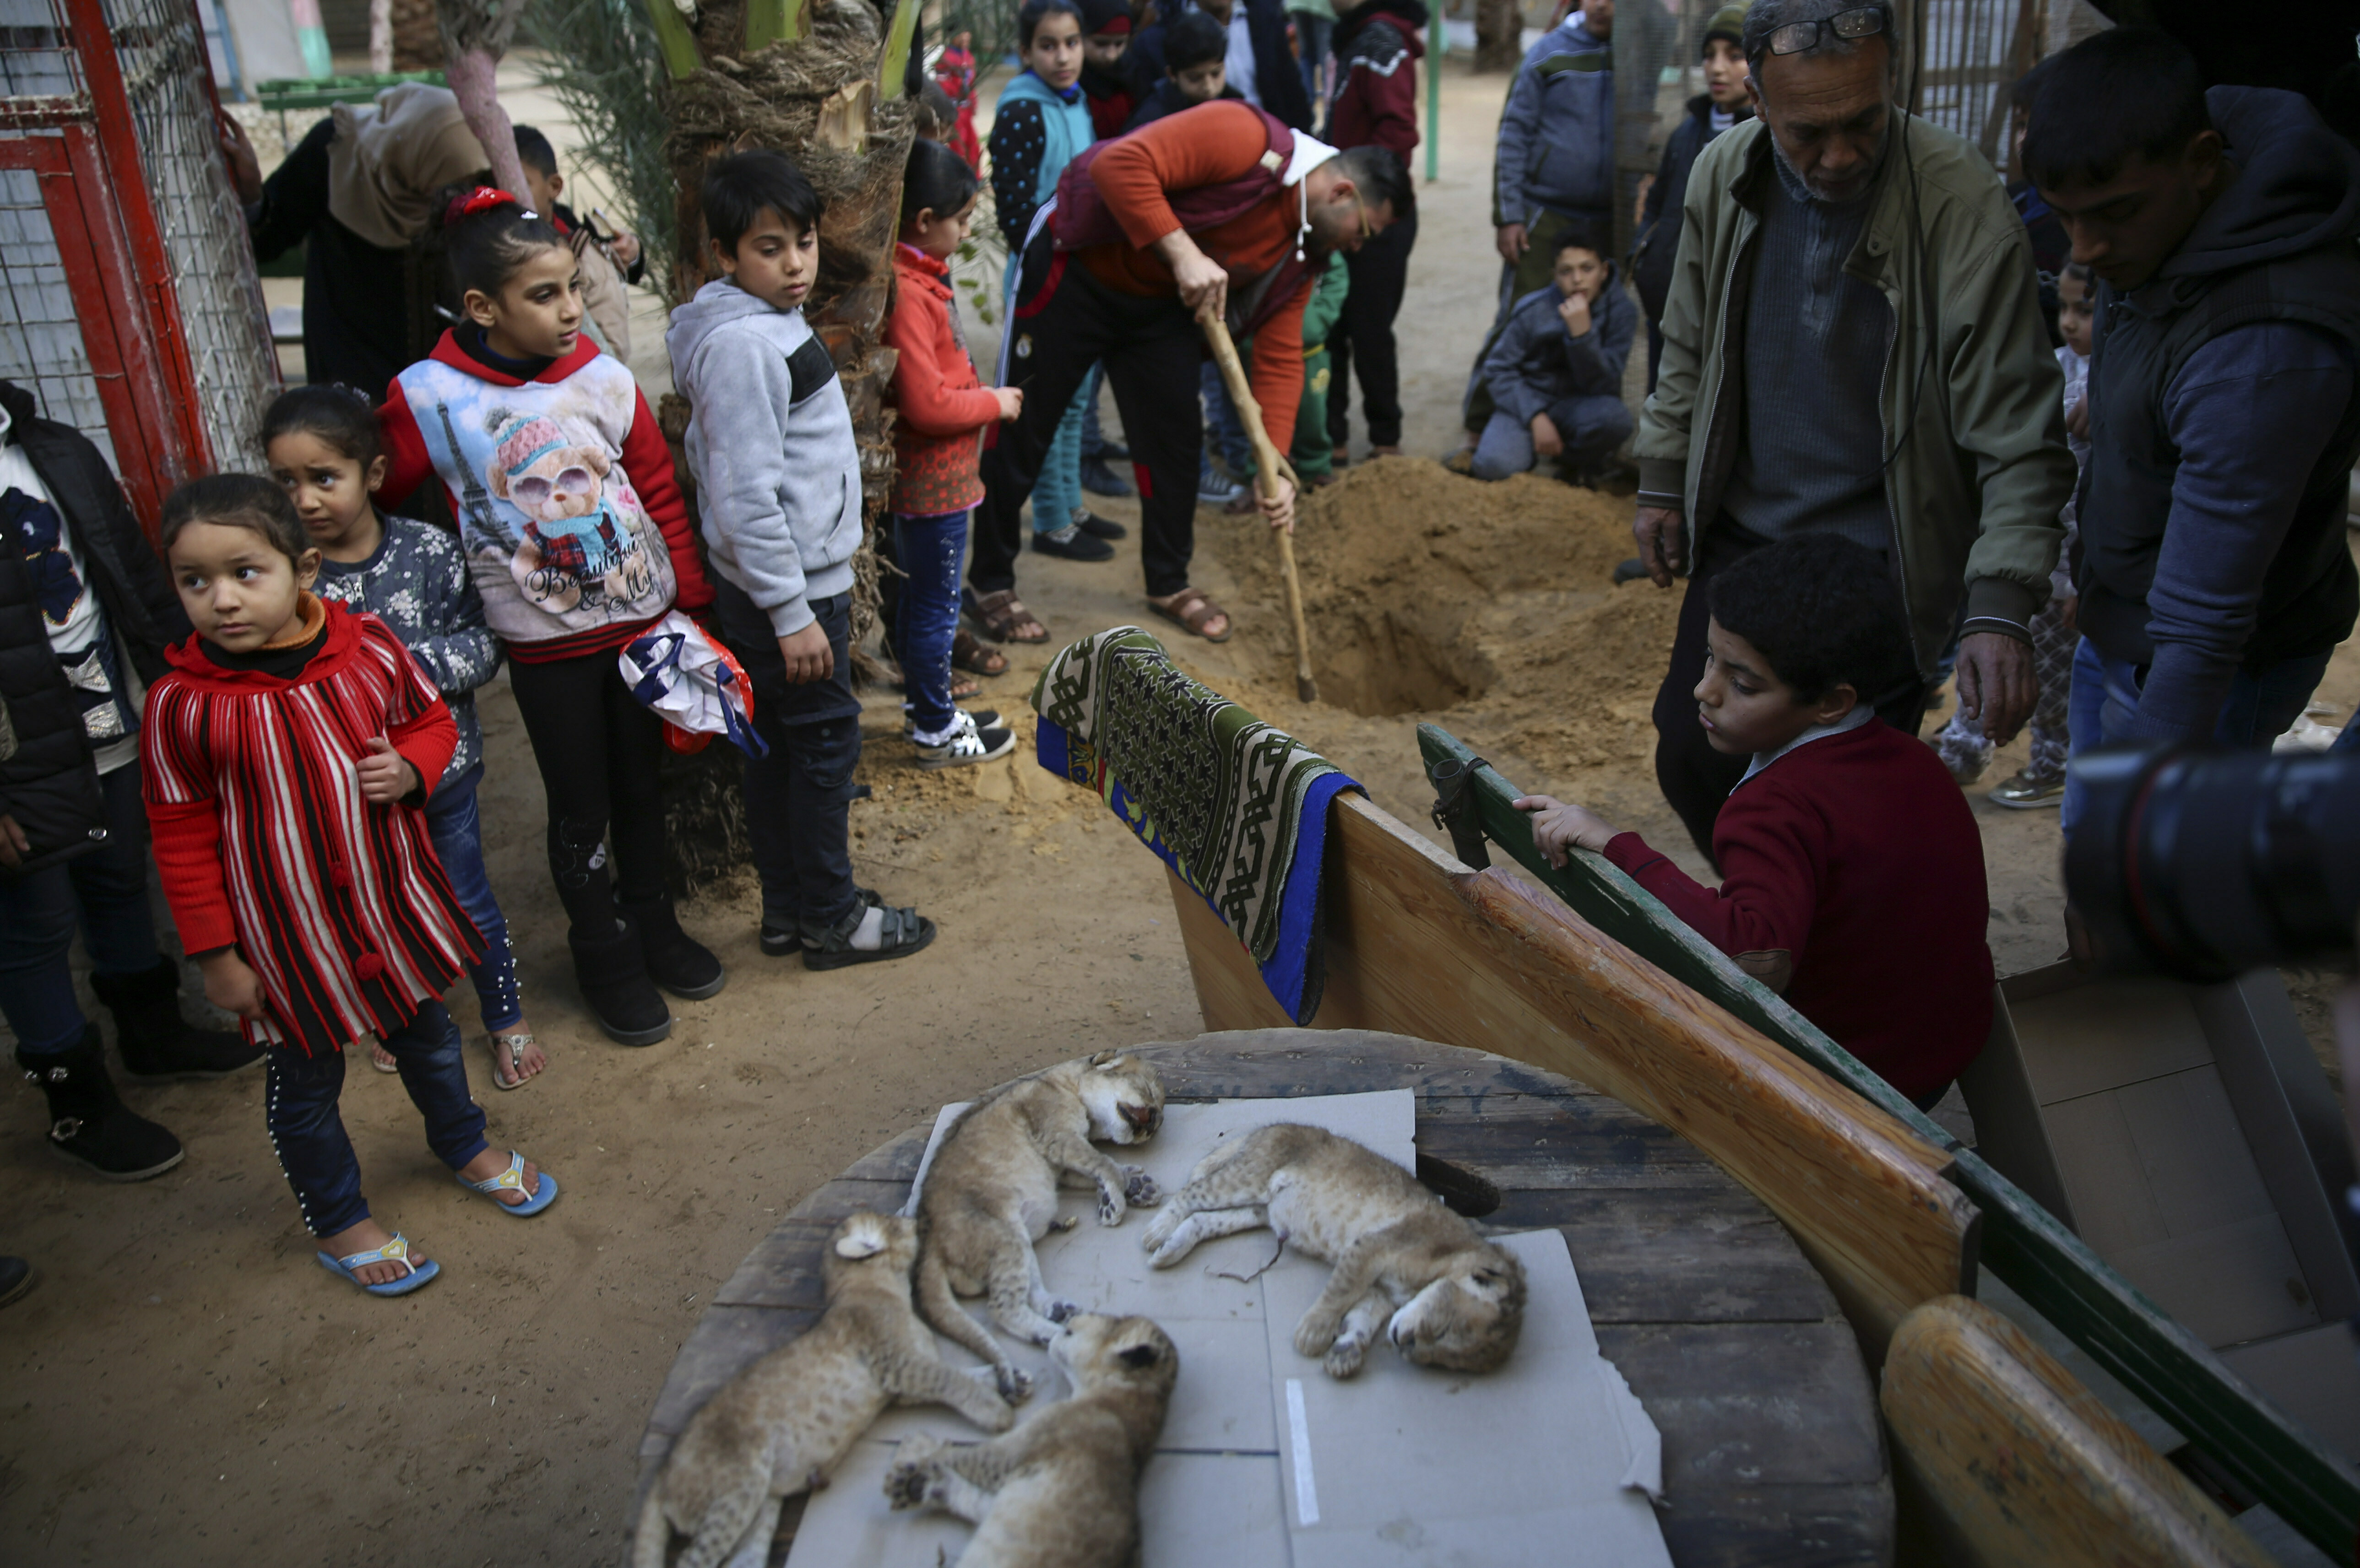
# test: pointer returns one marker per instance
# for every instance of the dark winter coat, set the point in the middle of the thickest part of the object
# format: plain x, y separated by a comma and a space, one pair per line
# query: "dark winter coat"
1277, 76
1659, 219
2211, 511
50, 784
1375, 99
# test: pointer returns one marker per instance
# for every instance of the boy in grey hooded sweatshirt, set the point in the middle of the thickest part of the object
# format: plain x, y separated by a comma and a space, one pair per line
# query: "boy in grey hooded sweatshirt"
778, 482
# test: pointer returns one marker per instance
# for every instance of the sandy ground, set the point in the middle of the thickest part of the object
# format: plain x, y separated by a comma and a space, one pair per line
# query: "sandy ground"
185, 1385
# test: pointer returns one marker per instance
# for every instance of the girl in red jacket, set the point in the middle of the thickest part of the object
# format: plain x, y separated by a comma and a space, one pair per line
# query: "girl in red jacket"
286, 761
578, 540
943, 413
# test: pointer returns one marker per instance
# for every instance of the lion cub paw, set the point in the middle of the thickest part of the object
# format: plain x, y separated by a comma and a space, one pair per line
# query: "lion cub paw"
1159, 1236
1344, 1357
1111, 1206
914, 1484
1140, 1189
1315, 1334
1014, 1383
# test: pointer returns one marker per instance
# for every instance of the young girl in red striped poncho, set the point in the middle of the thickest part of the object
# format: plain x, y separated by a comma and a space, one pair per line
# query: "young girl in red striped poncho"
287, 758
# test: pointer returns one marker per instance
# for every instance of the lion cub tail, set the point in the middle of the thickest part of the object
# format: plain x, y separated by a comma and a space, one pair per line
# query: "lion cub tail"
939, 1305
655, 1531
723, 1526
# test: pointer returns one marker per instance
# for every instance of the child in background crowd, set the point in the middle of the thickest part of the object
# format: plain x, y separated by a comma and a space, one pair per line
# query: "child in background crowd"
954, 74
1195, 70
323, 449
609, 261
287, 757
1041, 125
1106, 34
944, 411
1313, 457
1964, 748
1853, 881
85, 612
1555, 372
778, 476
579, 541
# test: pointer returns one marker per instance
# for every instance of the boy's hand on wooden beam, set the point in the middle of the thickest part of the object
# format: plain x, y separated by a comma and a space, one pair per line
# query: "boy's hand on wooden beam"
1559, 826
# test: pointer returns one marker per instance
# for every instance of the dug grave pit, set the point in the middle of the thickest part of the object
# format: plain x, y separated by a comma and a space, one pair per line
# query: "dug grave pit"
1488, 608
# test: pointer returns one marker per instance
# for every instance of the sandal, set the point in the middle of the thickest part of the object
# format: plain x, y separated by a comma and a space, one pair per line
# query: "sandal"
970, 655
1192, 610
394, 1251
512, 1181
514, 1045
778, 942
1002, 617
903, 933
381, 1058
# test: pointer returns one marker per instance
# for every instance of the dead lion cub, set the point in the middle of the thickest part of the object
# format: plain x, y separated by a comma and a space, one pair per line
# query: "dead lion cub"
782, 1424
1062, 1491
991, 1192
1455, 1299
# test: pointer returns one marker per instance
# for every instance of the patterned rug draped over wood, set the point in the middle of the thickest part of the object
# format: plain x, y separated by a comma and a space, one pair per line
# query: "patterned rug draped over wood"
1239, 808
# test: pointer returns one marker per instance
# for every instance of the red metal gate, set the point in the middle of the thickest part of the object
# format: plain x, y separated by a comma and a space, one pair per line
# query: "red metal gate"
133, 312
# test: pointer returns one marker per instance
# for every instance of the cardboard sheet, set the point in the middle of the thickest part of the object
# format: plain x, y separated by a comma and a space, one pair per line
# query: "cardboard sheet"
1533, 1464
1541, 1462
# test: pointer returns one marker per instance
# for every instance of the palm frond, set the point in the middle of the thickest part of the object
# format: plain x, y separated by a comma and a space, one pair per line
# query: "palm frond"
601, 60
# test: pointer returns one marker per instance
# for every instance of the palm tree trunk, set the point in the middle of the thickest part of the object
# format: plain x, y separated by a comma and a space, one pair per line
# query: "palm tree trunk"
822, 84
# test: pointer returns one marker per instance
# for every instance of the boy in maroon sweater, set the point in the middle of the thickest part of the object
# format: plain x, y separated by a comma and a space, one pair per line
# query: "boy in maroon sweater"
1853, 874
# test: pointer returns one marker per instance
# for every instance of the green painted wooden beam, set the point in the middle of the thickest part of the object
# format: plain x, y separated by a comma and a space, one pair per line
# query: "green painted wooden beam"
2022, 1243
682, 57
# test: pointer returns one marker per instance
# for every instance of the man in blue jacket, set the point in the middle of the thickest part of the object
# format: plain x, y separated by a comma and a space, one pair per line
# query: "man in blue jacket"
1553, 173
2213, 572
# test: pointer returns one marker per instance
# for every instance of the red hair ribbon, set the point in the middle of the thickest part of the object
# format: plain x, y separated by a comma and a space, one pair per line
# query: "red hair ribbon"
482, 199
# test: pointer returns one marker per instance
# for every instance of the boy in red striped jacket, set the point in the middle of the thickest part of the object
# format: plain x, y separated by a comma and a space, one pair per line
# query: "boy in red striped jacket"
1852, 872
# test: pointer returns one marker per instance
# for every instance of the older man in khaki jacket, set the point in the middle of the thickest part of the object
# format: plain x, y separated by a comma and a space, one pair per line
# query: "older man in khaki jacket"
1852, 344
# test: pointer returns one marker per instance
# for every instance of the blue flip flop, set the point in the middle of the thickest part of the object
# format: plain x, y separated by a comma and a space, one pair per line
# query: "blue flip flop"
512, 1181
394, 1251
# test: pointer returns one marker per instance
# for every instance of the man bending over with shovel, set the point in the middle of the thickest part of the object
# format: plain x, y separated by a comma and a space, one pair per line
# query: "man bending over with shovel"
1219, 211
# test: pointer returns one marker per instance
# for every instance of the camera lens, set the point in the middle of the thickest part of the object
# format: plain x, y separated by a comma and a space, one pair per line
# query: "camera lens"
2206, 864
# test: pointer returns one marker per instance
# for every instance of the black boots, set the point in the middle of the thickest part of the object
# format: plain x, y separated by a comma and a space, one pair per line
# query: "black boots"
675, 961
157, 1043
613, 975
89, 1124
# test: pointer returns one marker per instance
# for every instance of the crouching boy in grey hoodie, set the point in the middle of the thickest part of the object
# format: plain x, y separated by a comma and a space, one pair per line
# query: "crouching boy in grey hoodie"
778, 481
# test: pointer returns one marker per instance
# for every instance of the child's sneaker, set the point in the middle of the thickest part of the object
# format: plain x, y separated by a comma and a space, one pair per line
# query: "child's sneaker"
985, 718
2022, 792
967, 742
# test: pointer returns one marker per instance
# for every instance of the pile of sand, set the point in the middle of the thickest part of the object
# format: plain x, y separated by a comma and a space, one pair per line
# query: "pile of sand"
1488, 608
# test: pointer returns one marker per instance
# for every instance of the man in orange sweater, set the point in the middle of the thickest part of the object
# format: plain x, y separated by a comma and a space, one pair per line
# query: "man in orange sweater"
1218, 209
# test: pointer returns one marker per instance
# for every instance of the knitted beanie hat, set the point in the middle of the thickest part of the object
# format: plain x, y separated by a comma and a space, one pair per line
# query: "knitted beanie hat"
1728, 22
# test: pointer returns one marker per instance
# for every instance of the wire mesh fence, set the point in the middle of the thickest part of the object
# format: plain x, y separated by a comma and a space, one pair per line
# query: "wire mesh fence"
40, 342
168, 79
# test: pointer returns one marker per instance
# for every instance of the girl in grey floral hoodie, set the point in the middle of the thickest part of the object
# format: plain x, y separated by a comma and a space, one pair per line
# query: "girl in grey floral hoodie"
323, 449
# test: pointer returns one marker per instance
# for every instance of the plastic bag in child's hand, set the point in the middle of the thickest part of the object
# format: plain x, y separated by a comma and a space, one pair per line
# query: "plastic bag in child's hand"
694, 684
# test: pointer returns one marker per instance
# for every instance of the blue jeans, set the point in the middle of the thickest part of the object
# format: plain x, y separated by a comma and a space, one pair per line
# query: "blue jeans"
925, 619
1311, 35
458, 834
1224, 433
797, 797
1591, 428
309, 1133
106, 890
2257, 710
1057, 493
1093, 439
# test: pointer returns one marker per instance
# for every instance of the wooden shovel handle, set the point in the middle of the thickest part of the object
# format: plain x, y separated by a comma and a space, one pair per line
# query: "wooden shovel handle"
1270, 466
